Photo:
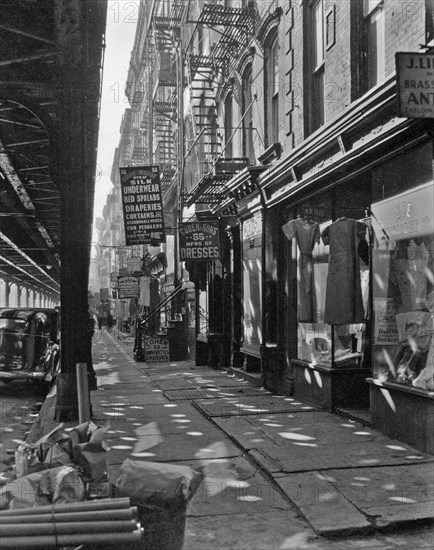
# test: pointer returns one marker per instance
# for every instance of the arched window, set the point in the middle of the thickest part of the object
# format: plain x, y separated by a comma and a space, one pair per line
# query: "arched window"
247, 113
229, 124
271, 96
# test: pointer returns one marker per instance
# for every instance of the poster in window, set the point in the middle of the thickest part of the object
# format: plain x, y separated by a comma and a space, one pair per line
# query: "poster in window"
252, 277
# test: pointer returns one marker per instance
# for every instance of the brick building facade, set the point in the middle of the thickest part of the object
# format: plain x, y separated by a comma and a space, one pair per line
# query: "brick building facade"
271, 114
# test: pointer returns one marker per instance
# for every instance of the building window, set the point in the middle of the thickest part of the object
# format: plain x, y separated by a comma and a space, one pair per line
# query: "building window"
317, 37
429, 22
229, 117
247, 114
272, 89
373, 13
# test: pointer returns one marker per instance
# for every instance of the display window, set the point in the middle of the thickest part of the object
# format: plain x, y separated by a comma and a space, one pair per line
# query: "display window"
330, 241
203, 313
403, 288
252, 281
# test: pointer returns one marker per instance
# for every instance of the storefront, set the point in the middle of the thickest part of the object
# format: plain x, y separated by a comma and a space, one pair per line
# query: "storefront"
353, 284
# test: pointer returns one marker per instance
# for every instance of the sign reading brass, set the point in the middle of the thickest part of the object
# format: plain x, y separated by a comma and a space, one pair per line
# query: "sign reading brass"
415, 79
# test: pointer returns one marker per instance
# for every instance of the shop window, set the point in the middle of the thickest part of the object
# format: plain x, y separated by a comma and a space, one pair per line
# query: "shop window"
332, 262
373, 13
203, 328
251, 285
247, 113
316, 71
271, 96
403, 288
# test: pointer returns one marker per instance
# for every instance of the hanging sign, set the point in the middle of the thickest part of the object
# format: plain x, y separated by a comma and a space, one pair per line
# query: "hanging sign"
134, 264
142, 204
128, 286
415, 78
103, 294
199, 241
156, 350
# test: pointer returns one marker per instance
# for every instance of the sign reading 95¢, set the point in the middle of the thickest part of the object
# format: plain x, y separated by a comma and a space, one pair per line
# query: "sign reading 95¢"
199, 241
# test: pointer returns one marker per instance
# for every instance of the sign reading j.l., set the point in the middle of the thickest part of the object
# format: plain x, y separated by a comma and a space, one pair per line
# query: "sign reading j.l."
199, 241
415, 77
142, 204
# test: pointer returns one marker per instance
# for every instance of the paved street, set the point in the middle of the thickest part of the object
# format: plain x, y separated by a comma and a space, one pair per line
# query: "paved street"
155, 414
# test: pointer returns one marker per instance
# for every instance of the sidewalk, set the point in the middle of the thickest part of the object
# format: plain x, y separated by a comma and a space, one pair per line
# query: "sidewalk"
279, 473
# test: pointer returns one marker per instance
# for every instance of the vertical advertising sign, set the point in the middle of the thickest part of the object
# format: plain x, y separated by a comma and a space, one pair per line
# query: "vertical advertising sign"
142, 204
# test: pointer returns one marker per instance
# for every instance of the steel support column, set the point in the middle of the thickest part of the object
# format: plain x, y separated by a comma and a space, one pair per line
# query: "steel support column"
78, 114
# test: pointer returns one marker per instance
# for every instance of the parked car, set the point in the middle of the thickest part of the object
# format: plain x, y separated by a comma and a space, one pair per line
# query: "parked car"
29, 344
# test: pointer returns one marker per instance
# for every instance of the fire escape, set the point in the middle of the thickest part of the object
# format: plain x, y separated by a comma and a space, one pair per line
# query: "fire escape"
164, 96
208, 167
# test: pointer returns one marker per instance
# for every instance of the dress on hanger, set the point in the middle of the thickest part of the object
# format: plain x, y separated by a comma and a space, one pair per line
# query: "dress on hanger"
307, 234
344, 303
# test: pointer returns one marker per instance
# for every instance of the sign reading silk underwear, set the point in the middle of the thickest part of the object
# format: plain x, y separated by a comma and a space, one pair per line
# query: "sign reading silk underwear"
142, 205
199, 241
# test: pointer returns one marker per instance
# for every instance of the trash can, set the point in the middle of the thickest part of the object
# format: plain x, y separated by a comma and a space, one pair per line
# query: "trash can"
164, 525
161, 493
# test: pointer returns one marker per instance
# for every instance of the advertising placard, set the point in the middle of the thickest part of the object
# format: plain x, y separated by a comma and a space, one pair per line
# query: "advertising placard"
142, 204
134, 264
415, 78
103, 294
199, 241
128, 286
156, 350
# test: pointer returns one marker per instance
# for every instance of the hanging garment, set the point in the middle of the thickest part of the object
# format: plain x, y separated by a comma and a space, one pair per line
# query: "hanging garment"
307, 235
145, 291
344, 303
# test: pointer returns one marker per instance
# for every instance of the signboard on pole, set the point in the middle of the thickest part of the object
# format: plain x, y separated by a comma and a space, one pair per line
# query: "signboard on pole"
128, 286
104, 294
199, 241
156, 350
134, 264
415, 79
142, 204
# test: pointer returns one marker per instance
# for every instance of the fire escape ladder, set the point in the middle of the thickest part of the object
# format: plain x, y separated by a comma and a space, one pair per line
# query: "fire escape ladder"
178, 12
237, 24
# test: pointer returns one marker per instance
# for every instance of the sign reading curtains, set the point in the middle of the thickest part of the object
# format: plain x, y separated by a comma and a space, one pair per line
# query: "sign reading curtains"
142, 205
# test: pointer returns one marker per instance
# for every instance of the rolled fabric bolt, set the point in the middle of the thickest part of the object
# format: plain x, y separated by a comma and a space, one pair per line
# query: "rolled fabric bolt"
83, 506
48, 542
79, 528
98, 515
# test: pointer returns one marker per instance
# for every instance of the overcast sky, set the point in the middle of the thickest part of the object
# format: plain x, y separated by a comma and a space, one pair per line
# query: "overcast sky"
121, 27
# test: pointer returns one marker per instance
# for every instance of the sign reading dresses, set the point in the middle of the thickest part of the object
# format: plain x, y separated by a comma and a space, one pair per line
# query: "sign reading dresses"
142, 204
156, 350
415, 77
199, 241
128, 286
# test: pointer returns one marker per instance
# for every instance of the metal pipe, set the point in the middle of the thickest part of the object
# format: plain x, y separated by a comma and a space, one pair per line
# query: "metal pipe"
82, 393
